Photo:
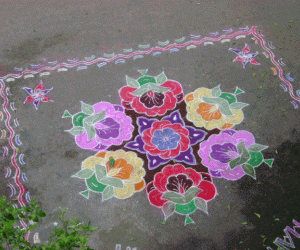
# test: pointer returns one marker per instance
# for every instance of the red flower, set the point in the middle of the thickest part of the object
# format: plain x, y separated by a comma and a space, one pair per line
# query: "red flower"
176, 134
179, 179
152, 103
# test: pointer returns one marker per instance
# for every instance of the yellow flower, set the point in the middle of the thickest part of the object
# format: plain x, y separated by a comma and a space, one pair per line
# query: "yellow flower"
207, 115
127, 167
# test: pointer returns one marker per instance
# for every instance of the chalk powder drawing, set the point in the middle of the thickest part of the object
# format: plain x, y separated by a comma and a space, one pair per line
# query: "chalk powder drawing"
282, 243
167, 149
43, 69
37, 95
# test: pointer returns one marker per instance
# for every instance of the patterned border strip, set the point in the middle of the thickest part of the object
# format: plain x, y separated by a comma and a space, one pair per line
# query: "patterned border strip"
18, 183
120, 58
263, 44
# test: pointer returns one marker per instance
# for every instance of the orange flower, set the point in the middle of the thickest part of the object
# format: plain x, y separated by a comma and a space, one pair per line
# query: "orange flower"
207, 115
127, 167
209, 112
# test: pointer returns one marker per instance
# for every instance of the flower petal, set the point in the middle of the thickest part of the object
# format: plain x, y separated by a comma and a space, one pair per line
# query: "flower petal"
208, 192
39, 87
125, 192
126, 169
83, 142
155, 198
29, 99
91, 161
28, 90
140, 186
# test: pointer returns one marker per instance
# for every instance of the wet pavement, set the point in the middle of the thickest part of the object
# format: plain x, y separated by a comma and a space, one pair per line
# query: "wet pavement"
83, 51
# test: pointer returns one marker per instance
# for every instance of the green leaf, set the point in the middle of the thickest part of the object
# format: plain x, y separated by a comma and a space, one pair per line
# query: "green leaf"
191, 194
112, 181
84, 173
100, 172
142, 90
161, 78
2, 200
40, 213
186, 208
249, 170
221, 103
108, 193
216, 91
238, 105
230, 98
95, 118
244, 223
269, 162
257, 147
157, 88
132, 82
244, 156
90, 129
146, 79
188, 220
76, 131
168, 209
87, 109
201, 204
238, 91
258, 215
78, 119
9, 216
95, 185
93, 228
112, 162
85, 194
36, 219
149, 87
31, 227
66, 114
174, 197
256, 158
241, 147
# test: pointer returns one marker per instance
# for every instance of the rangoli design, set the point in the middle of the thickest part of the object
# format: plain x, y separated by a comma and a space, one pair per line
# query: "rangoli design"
158, 141
194, 131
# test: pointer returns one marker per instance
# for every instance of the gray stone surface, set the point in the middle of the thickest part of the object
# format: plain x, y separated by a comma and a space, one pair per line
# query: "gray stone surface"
34, 32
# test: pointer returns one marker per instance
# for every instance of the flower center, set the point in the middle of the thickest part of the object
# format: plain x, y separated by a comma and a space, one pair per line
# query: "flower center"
152, 98
165, 139
180, 183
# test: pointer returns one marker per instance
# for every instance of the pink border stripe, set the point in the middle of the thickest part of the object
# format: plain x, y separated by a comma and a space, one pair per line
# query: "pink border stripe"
13, 158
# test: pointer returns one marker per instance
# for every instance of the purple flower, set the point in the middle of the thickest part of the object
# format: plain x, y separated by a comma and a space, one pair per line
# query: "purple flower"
219, 150
113, 129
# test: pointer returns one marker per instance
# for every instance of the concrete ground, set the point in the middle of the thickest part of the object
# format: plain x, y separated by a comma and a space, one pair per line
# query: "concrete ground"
39, 32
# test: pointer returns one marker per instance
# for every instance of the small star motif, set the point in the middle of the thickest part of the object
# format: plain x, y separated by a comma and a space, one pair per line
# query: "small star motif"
244, 57
37, 95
